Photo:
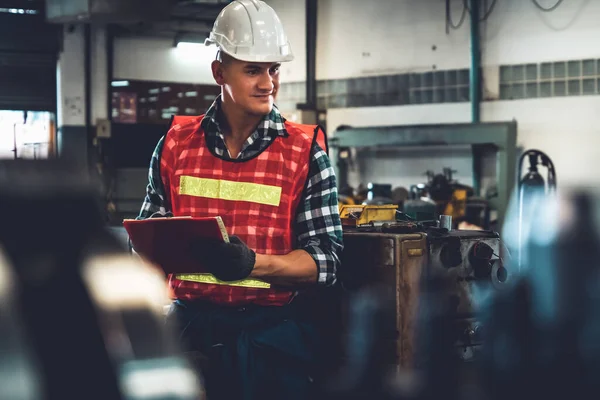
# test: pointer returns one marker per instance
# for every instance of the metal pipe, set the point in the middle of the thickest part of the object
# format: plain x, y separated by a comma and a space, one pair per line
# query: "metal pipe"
475, 89
446, 222
475, 81
110, 56
87, 51
477, 151
311, 54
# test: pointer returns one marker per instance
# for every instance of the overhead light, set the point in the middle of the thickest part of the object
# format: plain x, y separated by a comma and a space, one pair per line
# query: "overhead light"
17, 11
190, 39
119, 83
189, 45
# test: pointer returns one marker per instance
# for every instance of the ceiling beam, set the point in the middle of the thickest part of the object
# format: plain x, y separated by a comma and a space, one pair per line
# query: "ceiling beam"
24, 4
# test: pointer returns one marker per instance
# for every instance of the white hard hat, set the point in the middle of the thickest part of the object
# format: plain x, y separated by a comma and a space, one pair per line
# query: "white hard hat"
250, 30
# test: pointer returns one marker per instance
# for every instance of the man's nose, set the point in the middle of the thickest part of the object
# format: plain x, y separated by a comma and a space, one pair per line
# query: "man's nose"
265, 83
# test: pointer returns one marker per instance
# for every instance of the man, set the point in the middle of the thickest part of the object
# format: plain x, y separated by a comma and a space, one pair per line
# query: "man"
273, 185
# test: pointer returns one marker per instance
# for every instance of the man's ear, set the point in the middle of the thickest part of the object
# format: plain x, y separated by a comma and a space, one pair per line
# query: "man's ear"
217, 68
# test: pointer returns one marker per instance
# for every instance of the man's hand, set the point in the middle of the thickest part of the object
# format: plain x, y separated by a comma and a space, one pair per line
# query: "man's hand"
231, 261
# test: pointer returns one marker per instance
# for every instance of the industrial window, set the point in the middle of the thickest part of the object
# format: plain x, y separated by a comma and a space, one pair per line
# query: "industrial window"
550, 79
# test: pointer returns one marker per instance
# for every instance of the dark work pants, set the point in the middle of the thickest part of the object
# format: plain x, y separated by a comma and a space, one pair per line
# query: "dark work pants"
252, 352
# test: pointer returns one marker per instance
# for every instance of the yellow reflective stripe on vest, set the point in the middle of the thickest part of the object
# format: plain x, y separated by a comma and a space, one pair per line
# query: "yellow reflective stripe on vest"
229, 190
210, 278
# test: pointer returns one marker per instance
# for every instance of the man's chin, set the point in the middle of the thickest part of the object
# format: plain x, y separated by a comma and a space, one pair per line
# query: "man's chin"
262, 109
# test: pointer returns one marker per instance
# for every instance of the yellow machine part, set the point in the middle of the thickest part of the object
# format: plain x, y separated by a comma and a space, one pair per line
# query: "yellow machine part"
357, 215
456, 207
345, 200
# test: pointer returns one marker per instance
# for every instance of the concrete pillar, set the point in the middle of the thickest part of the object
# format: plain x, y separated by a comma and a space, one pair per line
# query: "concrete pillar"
81, 102
71, 107
99, 64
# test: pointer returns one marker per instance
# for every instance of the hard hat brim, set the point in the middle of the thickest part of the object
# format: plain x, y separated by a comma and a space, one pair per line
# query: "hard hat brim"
250, 57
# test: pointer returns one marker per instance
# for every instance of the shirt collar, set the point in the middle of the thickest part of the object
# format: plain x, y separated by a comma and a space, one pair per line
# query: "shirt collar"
272, 124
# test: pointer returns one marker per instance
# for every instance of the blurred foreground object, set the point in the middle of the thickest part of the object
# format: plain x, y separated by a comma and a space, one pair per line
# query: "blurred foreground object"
142, 350
542, 334
530, 186
18, 370
371, 350
91, 315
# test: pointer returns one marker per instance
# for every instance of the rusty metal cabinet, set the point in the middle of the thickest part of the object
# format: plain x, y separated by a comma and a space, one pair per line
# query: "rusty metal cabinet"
391, 263
465, 265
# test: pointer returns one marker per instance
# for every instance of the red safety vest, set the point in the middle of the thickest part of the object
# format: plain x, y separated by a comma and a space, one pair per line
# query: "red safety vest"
256, 198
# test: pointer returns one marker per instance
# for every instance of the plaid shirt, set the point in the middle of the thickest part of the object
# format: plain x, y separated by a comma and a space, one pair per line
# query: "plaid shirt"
318, 227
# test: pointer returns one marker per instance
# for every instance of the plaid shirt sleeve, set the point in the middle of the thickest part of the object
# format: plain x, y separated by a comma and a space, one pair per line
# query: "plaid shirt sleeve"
154, 203
318, 225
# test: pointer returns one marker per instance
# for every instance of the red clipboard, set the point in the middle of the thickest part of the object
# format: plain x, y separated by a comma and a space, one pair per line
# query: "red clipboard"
166, 242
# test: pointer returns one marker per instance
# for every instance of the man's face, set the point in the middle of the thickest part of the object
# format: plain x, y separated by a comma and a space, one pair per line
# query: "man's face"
251, 86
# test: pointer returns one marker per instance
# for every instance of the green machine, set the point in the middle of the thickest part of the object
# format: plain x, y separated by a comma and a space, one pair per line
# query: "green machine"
497, 139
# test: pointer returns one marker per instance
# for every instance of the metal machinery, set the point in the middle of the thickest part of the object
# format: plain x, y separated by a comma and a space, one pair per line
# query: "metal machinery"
485, 139
72, 324
403, 261
468, 267
406, 259
443, 195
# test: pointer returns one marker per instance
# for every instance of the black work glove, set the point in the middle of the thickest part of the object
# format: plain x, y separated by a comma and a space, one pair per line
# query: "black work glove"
231, 261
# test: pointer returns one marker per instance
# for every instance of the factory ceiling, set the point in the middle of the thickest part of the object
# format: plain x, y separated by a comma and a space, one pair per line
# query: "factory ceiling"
187, 17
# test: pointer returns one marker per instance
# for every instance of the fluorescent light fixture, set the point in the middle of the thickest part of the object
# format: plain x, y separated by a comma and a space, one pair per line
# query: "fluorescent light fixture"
17, 11
119, 83
190, 38
189, 45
